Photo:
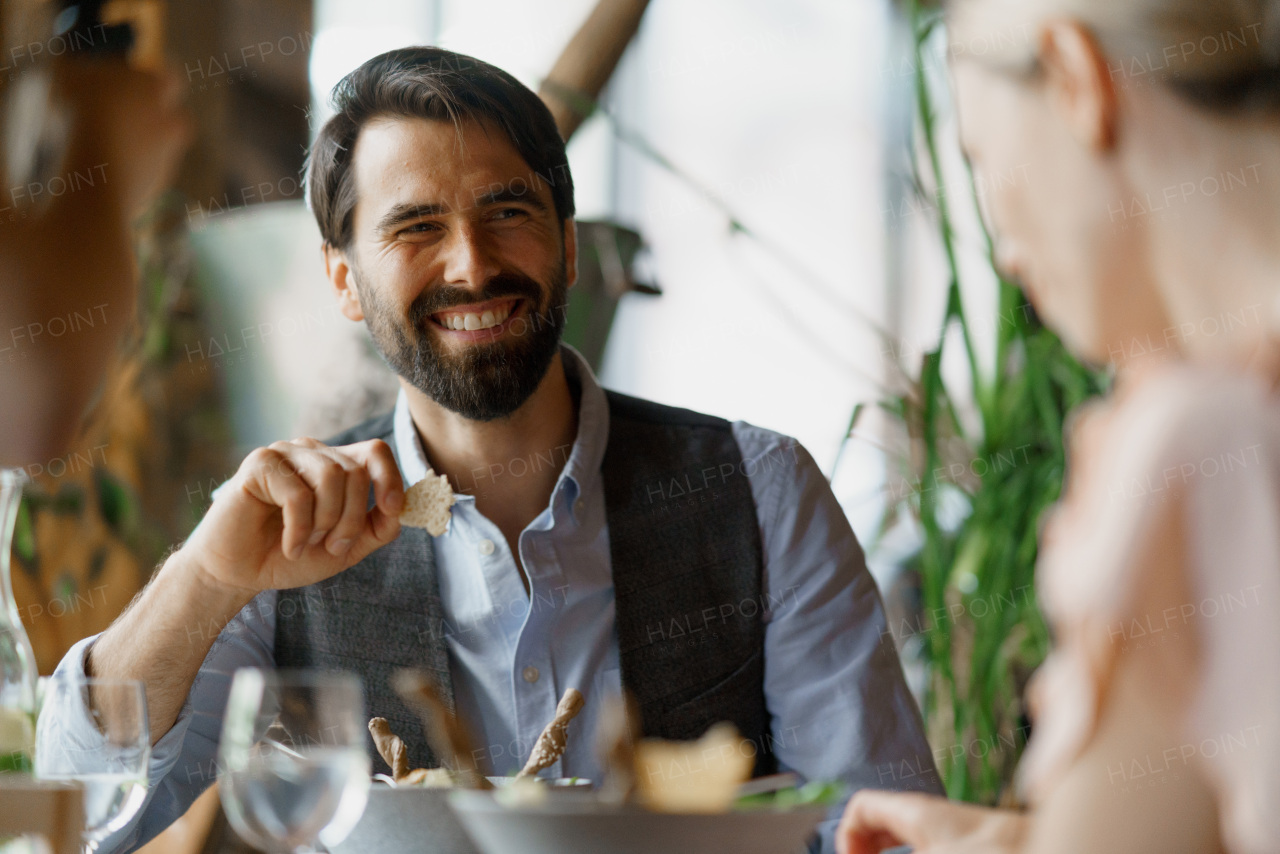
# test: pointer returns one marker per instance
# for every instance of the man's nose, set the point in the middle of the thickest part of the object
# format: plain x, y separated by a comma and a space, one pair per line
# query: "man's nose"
469, 258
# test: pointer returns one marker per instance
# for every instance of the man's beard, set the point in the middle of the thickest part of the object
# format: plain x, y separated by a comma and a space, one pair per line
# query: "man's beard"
484, 381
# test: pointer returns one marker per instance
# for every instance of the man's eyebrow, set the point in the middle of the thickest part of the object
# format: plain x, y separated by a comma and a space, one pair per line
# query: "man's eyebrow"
507, 195
406, 211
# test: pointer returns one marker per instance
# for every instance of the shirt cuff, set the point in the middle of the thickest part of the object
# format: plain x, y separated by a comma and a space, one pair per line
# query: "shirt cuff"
70, 726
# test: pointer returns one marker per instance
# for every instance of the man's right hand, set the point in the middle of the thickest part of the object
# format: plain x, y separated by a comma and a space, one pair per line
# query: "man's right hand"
297, 513
294, 514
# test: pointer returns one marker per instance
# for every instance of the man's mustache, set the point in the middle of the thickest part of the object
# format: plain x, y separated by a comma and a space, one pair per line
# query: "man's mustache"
501, 286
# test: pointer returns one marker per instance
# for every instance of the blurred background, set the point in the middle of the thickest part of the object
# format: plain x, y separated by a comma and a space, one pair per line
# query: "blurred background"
777, 226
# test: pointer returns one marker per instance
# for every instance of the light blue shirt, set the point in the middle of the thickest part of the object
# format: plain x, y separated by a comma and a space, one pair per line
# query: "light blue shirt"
839, 707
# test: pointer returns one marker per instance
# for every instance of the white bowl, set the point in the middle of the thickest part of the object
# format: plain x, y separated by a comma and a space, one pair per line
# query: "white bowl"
408, 820
585, 826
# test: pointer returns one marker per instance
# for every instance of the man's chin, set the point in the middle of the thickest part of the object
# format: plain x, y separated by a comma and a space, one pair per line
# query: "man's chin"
483, 382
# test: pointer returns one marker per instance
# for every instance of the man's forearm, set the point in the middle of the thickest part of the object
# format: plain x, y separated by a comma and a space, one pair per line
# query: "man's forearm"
153, 639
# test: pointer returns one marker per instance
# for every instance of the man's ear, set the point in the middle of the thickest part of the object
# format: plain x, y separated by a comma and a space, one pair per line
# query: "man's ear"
343, 281
571, 250
1080, 83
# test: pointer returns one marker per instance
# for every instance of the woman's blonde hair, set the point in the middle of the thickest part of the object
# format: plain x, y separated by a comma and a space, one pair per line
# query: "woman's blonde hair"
1220, 53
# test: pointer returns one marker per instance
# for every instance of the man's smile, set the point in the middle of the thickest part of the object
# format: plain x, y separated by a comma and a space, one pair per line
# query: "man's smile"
479, 321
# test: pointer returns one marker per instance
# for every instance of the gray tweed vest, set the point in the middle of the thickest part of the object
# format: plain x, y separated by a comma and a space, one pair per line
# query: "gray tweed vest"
685, 550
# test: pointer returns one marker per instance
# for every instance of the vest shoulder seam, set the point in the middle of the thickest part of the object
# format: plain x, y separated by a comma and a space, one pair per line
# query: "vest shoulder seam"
377, 427
627, 408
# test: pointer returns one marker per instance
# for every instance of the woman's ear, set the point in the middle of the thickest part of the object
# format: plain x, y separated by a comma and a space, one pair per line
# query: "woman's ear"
1080, 83
343, 280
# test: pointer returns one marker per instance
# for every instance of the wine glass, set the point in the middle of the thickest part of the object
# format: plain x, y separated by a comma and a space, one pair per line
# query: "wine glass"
95, 732
293, 769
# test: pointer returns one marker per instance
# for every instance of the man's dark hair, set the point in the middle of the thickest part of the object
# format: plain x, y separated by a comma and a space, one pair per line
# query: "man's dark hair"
428, 83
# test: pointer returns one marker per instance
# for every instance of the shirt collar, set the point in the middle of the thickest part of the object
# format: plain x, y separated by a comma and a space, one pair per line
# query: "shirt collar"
582, 469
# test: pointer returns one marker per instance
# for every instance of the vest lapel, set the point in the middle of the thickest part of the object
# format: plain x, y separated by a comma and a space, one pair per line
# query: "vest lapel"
684, 543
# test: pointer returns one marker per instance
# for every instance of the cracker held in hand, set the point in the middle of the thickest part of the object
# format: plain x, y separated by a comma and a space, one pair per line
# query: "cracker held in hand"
427, 503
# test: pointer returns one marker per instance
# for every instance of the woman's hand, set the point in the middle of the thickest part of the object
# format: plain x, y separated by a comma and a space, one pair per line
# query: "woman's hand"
877, 821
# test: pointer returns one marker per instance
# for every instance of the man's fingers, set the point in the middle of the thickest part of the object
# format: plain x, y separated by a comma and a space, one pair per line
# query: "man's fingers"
388, 487
271, 478
323, 494
328, 481
380, 530
874, 821
384, 527
355, 507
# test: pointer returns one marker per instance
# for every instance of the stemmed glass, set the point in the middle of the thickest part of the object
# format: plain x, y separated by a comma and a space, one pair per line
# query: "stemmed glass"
293, 770
95, 732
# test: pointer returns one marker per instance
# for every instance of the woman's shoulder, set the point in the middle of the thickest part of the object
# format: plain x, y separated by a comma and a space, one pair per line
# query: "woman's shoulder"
1189, 416
1164, 549
1169, 441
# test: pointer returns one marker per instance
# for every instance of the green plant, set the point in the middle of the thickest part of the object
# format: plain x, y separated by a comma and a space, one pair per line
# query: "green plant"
982, 630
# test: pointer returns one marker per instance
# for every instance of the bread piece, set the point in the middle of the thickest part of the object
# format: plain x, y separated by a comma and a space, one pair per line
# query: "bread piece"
701, 776
427, 503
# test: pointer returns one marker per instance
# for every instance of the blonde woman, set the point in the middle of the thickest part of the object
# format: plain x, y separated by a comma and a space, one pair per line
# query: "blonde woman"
1148, 236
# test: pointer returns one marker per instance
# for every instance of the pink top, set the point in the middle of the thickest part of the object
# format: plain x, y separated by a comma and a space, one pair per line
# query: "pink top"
1203, 443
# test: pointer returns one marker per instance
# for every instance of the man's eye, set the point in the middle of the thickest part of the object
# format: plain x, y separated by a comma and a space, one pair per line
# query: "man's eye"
420, 228
508, 213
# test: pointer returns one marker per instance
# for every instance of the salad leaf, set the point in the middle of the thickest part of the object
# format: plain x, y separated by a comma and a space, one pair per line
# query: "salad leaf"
814, 794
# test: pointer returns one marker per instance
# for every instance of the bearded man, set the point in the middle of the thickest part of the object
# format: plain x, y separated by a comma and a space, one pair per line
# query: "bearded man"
596, 542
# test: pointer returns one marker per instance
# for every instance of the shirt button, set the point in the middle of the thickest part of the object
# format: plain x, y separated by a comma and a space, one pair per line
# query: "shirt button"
530, 675
486, 547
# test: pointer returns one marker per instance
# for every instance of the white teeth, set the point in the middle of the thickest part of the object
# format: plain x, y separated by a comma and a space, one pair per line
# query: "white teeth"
472, 321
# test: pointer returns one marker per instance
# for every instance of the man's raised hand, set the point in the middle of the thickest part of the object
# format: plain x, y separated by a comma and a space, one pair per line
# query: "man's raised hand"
297, 513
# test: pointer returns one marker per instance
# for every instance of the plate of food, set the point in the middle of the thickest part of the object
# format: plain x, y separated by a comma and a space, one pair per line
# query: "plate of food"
658, 797
408, 812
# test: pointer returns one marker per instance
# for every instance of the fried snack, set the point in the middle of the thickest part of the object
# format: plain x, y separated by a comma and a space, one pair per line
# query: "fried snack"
702, 776
394, 752
555, 736
427, 503
390, 748
445, 733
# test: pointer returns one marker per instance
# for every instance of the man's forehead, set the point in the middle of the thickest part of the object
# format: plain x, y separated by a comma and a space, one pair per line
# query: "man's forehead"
400, 159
